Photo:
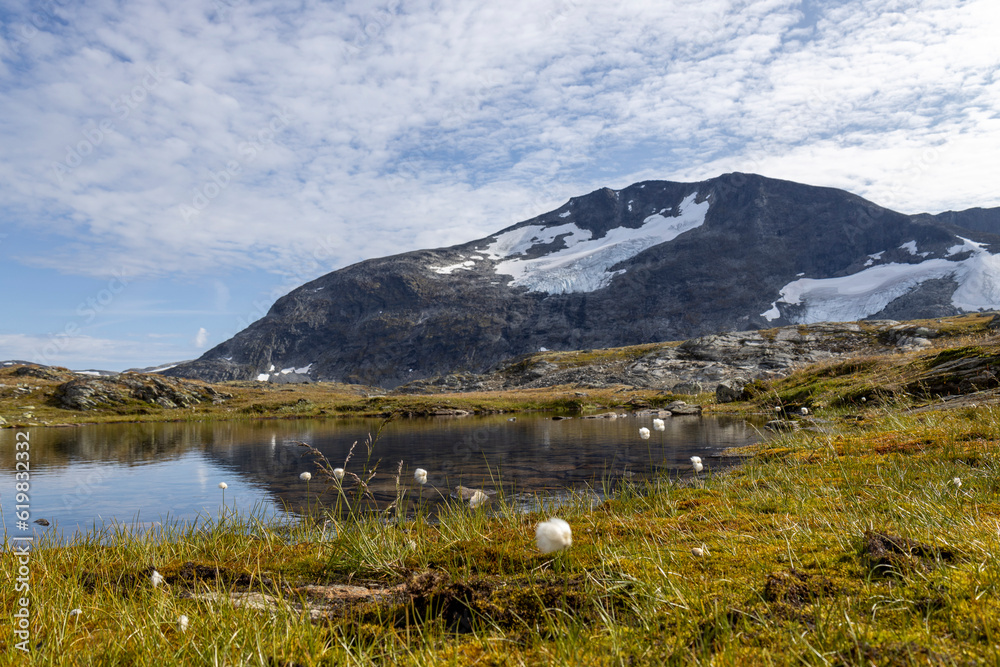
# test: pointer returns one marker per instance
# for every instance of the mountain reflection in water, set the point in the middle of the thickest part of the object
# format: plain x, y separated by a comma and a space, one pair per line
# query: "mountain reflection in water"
148, 473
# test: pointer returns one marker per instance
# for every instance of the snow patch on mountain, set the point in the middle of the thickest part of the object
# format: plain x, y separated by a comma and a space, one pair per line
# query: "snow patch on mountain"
448, 270
771, 313
966, 245
872, 258
862, 294
583, 263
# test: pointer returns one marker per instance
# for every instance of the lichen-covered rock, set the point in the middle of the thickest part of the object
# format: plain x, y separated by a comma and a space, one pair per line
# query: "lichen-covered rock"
679, 408
687, 388
729, 391
43, 372
98, 392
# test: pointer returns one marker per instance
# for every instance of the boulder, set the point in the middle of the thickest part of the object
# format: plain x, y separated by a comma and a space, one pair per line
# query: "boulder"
95, 392
689, 388
729, 391
682, 408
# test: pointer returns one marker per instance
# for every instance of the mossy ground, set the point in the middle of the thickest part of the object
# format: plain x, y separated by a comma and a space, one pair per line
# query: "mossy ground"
787, 575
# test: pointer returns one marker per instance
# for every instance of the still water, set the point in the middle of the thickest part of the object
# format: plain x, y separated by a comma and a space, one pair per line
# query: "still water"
144, 474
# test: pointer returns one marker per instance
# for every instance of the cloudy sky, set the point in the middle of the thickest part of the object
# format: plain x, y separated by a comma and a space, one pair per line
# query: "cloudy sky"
170, 167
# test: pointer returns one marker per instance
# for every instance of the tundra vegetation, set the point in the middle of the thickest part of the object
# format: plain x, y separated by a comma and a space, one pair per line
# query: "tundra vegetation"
866, 531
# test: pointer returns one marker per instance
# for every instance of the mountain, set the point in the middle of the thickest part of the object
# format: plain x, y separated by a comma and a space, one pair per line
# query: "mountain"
655, 261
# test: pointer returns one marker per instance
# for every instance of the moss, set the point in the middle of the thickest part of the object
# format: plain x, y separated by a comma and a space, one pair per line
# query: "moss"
973, 351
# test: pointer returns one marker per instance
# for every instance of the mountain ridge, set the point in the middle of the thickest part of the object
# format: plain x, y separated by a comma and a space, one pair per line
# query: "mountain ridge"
657, 260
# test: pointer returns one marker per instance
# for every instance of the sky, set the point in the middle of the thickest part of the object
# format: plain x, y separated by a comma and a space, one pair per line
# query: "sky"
168, 168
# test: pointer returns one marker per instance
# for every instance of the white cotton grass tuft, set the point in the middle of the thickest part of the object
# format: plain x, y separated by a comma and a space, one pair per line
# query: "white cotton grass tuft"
156, 579
338, 474
696, 463
306, 476
420, 475
957, 482
804, 411
75, 612
553, 535
223, 486
478, 499
644, 433
182, 623
658, 425
699, 552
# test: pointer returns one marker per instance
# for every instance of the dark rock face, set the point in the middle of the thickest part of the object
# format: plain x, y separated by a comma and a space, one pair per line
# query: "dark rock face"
583, 276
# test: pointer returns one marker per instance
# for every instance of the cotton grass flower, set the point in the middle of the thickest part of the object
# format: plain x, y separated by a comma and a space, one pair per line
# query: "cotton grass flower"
223, 486
644, 433
478, 499
182, 623
957, 482
553, 535
75, 612
420, 475
658, 425
306, 476
698, 552
338, 474
156, 579
696, 464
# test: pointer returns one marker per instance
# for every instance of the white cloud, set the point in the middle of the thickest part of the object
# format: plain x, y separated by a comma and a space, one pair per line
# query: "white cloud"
201, 338
358, 129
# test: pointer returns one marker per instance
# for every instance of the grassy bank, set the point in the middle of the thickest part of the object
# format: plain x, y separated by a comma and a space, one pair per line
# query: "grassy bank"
259, 400
870, 538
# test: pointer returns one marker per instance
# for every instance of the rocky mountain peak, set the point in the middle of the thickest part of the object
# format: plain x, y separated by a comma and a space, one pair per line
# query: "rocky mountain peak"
654, 261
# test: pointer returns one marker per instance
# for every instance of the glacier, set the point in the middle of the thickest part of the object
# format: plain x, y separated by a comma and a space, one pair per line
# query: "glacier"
583, 263
865, 293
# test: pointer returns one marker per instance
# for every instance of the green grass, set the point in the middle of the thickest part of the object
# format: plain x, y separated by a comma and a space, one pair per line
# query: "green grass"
789, 573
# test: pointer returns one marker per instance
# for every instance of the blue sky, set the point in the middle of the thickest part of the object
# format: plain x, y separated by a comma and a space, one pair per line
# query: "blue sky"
168, 169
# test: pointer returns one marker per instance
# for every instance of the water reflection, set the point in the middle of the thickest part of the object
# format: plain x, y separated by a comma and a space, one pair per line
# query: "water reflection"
170, 471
